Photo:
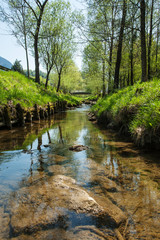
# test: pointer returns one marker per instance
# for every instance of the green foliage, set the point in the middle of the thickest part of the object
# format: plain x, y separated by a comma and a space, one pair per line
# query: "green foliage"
92, 68
71, 79
141, 100
71, 100
19, 89
92, 98
17, 67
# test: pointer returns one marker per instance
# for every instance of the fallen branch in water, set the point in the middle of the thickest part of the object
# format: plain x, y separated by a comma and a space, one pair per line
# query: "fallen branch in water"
118, 234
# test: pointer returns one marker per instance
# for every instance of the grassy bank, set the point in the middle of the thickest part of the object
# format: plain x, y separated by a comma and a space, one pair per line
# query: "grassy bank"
134, 110
17, 88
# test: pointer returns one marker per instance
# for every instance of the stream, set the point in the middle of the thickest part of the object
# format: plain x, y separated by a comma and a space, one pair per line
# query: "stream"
49, 192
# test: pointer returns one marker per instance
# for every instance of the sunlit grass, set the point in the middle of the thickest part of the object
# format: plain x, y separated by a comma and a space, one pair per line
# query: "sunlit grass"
17, 88
144, 97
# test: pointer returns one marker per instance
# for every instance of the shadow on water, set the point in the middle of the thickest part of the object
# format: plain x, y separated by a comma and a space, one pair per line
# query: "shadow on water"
109, 169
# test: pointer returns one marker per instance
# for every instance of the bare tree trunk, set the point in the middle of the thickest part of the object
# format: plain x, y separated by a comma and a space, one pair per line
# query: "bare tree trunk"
119, 50
131, 54
25, 39
143, 43
36, 34
150, 41
104, 71
37, 78
59, 81
110, 53
157, 47
47, 77
103, 77
27, 60
128, 78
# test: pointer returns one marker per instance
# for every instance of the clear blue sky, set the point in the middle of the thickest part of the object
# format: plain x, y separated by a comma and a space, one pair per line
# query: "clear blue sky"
11, 50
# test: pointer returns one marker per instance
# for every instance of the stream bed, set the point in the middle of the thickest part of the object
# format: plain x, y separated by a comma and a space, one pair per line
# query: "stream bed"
111, 190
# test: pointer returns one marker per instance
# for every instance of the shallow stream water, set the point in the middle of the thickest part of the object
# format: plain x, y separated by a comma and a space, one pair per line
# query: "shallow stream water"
31, 156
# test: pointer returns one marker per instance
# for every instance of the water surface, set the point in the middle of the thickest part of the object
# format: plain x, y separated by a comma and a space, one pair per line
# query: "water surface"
39, 151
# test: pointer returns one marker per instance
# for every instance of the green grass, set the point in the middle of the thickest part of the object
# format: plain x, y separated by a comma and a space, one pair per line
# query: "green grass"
137, 106
17, 88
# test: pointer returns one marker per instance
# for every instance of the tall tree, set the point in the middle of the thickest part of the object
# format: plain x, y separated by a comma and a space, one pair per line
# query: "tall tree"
14, 13
37, 10
114, 12
120, 41
143, 41
150, 39
57, 36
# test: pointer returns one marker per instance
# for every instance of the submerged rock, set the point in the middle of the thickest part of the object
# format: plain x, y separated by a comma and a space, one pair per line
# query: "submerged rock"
78, 148
55, 203
77, 233
4, 224
92, 117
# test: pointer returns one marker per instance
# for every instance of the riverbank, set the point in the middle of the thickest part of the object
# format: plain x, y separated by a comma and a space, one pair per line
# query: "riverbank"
133, 111
21, 99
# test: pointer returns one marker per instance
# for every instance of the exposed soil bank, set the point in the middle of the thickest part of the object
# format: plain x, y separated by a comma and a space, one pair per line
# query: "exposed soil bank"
17, 115
142, 137
133, 111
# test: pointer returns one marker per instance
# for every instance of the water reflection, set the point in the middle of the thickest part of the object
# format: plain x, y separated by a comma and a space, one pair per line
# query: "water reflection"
108, 169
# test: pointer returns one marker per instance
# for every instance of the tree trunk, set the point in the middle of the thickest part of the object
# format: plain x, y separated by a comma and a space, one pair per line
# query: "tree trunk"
27, 59
128, 78
47, 77
150, 41
36, 36
25, 39
59, 81
119, 50
37, 78
110, 54
104, 71
157, 48
103, 77
131, 55
143, 43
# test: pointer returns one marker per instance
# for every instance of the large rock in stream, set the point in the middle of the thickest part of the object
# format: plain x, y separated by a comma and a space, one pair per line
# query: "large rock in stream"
59, 202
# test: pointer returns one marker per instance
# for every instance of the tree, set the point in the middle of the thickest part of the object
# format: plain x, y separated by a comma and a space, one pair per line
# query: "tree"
101, 30
17, 67
26, 20
119, 50
57, 32
62, 58
150, 40
36, 9
71, 78
143, 42
15, 15
92, 68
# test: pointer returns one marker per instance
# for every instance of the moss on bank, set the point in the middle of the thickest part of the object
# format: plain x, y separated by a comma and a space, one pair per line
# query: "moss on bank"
17, 88
134, 110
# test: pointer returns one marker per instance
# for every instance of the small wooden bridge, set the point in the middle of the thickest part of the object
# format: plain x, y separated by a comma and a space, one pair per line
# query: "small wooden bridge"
80, 93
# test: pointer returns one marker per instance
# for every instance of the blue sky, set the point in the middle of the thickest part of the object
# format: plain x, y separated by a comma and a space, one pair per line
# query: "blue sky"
11, 50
